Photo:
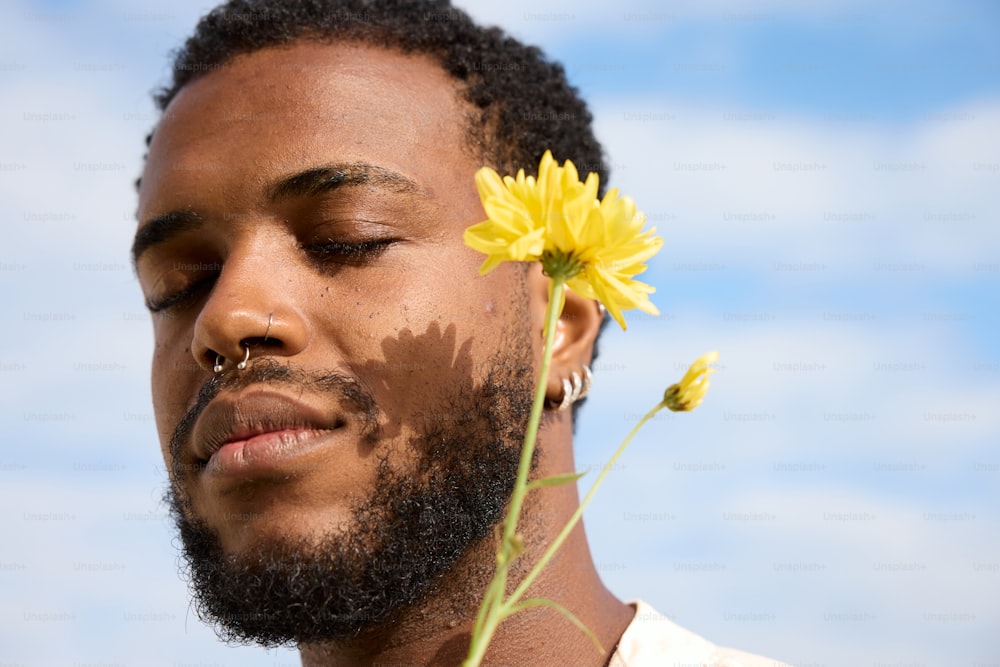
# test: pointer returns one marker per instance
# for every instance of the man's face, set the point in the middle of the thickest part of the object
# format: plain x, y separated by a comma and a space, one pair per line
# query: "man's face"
307, 204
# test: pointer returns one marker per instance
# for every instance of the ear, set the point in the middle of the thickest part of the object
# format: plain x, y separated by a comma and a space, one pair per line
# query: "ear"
576, 331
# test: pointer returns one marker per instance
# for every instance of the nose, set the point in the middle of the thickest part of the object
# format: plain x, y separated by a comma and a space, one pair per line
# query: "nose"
247, 314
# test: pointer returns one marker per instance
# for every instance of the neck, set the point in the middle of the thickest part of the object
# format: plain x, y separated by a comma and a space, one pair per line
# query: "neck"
437, 630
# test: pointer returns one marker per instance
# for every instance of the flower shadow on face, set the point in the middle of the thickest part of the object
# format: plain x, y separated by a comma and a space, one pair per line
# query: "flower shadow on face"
422, 375
458, 408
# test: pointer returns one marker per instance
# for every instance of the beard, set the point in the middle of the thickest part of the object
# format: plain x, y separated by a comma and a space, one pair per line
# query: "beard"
403, 537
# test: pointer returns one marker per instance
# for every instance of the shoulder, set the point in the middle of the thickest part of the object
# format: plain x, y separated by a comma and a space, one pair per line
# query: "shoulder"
653, 640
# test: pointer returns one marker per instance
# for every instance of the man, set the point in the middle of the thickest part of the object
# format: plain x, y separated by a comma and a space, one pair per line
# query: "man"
340, 397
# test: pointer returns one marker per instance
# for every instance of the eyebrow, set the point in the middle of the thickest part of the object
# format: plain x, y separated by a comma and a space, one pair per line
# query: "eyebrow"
309, 183
319, 180
161, 229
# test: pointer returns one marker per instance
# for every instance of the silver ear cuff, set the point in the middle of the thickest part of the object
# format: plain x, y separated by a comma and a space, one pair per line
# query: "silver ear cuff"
575, 388
567, 399
588, 380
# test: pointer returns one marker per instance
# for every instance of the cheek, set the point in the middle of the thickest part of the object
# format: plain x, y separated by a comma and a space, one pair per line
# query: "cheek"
174, 380
433, 336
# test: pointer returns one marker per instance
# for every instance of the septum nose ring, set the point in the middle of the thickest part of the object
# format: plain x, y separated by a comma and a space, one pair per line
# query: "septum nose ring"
243, 364
221, 360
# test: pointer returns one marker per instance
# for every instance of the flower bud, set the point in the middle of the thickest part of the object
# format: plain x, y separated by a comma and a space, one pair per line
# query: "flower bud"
687, 394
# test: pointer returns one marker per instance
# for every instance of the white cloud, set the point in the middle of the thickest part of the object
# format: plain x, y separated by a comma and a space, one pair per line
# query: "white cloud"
558, 20
794, 389
752, 187
827, 567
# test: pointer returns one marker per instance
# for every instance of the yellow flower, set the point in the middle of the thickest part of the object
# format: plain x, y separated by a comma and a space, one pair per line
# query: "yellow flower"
596, 246
686, 395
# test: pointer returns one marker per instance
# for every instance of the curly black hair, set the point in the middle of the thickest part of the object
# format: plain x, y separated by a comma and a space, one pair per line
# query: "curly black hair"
523, 101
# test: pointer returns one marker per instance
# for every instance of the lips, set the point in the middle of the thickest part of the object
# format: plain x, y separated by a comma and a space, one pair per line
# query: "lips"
257, 428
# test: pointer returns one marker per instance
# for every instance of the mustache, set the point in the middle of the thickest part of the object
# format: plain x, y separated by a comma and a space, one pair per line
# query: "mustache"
346, 389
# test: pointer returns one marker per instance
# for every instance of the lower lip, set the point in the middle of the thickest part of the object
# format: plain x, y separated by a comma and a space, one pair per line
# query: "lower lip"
273, 452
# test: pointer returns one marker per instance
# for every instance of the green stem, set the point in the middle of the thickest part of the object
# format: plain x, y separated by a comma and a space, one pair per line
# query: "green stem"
528, 450
494, 594
573, 520
487, 623
481, 641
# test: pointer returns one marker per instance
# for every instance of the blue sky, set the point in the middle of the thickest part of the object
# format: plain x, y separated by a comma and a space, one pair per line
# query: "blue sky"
825, 176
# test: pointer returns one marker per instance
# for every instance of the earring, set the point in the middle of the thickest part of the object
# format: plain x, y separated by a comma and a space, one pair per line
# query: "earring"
577, 386
219, 360
588, 379
243, 364
567, 399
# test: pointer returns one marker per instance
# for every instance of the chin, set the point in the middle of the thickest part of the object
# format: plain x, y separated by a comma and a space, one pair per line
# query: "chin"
243, 529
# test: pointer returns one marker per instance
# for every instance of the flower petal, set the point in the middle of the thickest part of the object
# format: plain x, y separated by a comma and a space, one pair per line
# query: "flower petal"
597, 246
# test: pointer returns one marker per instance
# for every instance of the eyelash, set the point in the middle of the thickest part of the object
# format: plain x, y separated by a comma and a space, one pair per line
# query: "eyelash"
325, 252
179, 298
352, 252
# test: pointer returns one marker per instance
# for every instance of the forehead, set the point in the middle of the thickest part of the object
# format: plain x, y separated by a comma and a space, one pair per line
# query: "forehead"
272, 112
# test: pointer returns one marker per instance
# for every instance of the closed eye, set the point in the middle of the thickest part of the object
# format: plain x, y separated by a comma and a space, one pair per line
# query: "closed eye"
336, 252
179, 298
